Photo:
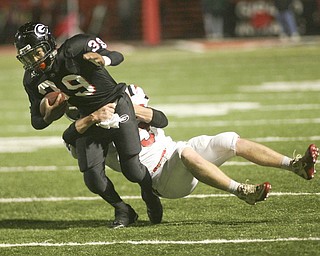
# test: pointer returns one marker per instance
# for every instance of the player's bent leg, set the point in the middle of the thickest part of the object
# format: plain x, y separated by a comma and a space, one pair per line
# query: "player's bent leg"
216, 149
99, 184
203, 170
304, 166
258, 153
91, 162
140, 174
127, 142
173, 180
210, 174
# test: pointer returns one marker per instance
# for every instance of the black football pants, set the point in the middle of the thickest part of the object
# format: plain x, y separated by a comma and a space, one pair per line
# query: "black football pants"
92, 150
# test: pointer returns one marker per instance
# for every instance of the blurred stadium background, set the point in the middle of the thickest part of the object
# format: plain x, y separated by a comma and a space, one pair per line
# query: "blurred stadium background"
151, 21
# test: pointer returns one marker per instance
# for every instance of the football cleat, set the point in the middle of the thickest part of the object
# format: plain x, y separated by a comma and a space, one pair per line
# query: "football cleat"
154, 208
304, 166
124, 218
252, 194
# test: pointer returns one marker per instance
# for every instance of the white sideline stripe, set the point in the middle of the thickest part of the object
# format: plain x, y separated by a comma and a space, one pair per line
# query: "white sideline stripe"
300, 86
53, 168
223, 108
30, 144
160, 242
24, 129
49, 168
92, 198
209, 123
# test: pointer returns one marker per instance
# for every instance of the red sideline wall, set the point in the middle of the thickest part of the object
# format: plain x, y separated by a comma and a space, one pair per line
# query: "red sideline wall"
179, 19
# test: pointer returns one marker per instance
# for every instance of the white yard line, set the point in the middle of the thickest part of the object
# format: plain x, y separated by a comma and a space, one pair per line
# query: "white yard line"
165, 242
92, 198
30, 144
209, 122
50, 168
54, 168
236, 123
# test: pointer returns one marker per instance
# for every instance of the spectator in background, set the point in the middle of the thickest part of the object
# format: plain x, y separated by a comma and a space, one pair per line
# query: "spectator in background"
287, 21
10, 20
127, 10
213, 17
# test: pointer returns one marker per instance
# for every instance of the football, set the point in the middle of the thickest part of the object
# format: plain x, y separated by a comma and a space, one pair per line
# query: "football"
52, 97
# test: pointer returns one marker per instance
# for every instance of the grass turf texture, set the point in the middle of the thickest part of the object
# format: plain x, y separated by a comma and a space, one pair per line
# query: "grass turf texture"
173, 76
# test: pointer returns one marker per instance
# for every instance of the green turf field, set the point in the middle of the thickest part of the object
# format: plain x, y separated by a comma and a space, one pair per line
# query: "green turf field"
270, 95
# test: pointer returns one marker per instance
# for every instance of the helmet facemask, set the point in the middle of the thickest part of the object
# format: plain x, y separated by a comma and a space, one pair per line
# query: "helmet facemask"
39, 58
36, 47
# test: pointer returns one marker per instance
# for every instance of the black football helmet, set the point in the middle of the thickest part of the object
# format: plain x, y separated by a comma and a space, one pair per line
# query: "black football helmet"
36, 47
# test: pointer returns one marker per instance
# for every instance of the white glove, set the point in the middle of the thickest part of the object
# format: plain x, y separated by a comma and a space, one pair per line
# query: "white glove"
113, 122
137, 95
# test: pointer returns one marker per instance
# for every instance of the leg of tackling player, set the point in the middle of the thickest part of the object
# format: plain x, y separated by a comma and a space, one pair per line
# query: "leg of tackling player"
210, 174
222, 147
264, 156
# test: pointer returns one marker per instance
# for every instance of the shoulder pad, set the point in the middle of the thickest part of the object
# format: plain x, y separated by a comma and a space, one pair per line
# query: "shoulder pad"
75, 45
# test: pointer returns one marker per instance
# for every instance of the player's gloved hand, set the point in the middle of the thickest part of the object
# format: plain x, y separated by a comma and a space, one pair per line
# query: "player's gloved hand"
113, 122
137, 95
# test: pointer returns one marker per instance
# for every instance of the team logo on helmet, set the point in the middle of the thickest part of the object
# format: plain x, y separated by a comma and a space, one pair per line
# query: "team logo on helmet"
41, 30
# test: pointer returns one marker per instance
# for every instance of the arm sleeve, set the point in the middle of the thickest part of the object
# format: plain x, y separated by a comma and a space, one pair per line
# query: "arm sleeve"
70, 135
82, 43
159, 119
37, 121
115, 57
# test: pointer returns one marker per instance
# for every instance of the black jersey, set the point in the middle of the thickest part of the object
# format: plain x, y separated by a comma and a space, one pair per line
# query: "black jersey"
88, 86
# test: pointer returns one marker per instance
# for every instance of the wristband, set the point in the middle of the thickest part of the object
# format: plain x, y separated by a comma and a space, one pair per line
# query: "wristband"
159, 119
107, 61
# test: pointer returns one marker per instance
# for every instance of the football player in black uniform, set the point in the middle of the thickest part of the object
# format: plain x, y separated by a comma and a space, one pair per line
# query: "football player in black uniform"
75, 70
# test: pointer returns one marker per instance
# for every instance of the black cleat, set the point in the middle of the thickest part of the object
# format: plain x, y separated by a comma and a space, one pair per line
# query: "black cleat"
124, 217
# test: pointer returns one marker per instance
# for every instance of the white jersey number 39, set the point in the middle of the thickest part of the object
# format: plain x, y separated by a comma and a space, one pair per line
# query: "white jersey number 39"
96, 44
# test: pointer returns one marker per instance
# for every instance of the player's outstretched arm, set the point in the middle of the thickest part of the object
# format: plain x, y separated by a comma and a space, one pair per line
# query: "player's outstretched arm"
100, 115
151, 116
111, 59
77, 128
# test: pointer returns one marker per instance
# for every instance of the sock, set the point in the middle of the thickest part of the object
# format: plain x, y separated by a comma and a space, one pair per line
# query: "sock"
233, 187
146, 183
120, 205
110, 194
286, 163
146, 189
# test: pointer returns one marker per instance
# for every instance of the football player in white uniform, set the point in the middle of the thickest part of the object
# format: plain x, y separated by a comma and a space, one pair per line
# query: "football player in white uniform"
176, 167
